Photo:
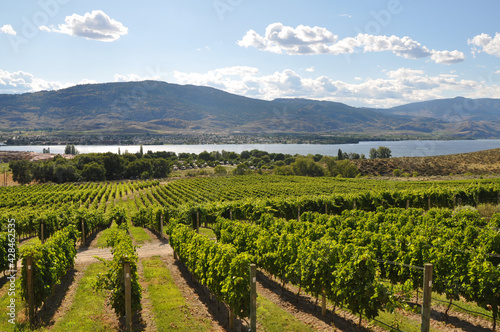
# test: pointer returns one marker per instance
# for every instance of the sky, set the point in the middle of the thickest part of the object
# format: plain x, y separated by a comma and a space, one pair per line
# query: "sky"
359, 52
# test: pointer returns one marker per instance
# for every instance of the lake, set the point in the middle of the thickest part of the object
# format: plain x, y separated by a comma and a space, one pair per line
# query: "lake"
413, 148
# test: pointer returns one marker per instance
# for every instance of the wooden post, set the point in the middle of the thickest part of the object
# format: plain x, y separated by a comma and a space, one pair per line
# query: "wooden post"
323, 303
231, 214
429, 203
31, 293
128, 297
197, 222
41, 233
161, 226
253, 297
231, 319
407, 204
354, 205
326, 208
454, 201
426, 303
298, 213
175, 255
83, 233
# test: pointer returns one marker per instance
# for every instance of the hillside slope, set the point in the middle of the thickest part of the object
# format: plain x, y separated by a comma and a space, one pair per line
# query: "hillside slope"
153, 106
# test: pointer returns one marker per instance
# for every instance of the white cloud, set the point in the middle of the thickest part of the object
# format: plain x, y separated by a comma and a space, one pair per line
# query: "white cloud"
447, 57
394, 88
8, 29
134, 78
280, 38
485, 43
345, 15
96, 25
316, 40
310, 69
19, 81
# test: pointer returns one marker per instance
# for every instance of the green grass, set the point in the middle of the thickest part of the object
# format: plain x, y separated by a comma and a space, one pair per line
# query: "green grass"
466, 305
32, 241
399, 321
207, 232
87, 310
101, 240
139, 235
169, 306
274, 319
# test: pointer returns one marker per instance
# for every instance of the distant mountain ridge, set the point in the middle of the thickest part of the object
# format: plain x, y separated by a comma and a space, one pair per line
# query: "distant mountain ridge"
153, 106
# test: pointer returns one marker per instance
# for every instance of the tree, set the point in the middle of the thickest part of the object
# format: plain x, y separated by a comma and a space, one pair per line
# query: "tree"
43, 171
161, 168
206, 156
384, 152
340, 155
381, 152
94, 172
21, 171
344, 168
306, 167
114, 166
220, 170
241, 169
64, 172
70, 149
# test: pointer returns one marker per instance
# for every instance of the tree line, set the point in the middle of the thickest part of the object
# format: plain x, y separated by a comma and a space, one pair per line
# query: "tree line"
91, 167
140, 165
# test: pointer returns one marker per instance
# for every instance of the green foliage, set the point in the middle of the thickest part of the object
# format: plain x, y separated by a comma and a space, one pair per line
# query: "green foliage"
21, 171
304, 166
94, 172
241, 169
220, 170
217, 266
8, 249
381, 152
283, 170
113, 280
70, 149
51, 261
344, 168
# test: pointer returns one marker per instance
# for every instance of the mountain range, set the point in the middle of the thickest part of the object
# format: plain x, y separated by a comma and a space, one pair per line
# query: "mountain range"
153, 106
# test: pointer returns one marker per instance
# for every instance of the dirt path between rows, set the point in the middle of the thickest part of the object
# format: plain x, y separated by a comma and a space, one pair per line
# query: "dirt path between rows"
85, 255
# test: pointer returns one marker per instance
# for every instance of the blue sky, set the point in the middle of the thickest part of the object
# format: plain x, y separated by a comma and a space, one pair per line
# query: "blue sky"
363, 53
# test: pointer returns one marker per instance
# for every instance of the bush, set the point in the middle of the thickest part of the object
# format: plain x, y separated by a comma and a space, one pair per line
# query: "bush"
396, 172
220, 170
341, 168
307, 167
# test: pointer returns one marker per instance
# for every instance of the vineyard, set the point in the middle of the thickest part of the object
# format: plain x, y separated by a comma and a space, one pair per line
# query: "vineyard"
358, 245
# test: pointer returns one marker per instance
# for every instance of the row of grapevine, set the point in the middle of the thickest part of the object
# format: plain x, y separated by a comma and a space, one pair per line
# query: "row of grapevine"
216, 266
346, 274
113, 279
51, 261
463, 247
291, 207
